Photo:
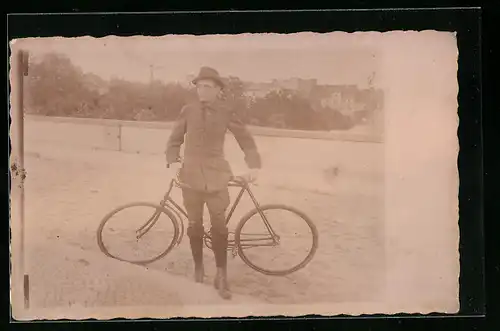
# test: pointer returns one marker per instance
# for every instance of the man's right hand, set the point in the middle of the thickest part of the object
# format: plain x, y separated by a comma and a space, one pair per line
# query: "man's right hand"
174, 167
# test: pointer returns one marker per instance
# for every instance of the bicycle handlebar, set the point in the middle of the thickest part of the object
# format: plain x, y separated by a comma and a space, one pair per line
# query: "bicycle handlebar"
240, 180
233, 181
237, 181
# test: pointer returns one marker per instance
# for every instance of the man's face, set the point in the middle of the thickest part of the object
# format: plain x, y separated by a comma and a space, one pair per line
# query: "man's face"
207, 90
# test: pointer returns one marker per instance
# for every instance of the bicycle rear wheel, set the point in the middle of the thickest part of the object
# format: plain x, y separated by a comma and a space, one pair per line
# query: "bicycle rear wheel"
138, 233
280, 241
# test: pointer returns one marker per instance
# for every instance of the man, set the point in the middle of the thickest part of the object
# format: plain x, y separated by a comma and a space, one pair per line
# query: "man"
202, 127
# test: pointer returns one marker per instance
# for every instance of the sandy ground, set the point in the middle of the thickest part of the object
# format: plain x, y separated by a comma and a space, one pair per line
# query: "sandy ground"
69, 190
74, 277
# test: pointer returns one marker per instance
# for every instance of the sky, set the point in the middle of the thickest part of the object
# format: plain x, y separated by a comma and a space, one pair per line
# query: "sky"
251, 57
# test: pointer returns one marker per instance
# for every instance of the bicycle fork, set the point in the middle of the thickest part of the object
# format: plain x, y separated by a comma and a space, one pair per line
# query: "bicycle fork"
148, 225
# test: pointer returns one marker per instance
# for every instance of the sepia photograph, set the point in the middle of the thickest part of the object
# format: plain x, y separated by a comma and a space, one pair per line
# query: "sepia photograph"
234, 175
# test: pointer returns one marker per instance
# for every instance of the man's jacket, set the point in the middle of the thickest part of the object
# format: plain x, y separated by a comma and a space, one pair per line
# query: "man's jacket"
202, 129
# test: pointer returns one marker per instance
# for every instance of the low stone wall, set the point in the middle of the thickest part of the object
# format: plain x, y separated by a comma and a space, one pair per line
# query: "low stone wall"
111, 129
307, 163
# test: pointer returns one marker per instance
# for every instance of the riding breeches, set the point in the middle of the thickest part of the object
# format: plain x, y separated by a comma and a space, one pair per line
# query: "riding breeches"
217, 203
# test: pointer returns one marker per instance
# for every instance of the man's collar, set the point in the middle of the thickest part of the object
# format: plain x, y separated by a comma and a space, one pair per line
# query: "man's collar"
215, 105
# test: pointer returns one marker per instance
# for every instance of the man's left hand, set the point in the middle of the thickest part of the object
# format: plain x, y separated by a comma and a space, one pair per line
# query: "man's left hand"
252, 175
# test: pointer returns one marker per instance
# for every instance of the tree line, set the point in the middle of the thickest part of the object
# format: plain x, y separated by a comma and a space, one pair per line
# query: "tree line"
56, 87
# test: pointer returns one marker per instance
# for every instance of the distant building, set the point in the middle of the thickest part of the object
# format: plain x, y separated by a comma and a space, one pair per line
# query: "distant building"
286, 84
257, 90
345, 99
260, 90
299, 85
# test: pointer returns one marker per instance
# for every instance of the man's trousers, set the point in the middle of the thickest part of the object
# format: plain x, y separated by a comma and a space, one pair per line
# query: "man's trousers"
217, 203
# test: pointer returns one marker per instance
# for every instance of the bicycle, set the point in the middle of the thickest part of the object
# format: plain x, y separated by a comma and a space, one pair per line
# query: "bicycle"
242, 241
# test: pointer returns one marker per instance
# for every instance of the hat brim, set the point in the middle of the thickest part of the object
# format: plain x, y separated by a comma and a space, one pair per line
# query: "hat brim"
216, 80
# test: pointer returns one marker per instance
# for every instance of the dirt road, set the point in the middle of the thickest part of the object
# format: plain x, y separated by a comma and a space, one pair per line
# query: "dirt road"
68, 191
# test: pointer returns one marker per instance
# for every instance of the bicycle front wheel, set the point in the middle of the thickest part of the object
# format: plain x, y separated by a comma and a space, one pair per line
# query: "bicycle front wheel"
138, 233
276, 240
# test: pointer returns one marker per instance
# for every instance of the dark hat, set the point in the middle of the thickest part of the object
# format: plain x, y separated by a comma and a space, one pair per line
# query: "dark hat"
209, 73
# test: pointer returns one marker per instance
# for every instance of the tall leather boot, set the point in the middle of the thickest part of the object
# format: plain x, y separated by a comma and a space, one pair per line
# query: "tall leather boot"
197, 252
219, 243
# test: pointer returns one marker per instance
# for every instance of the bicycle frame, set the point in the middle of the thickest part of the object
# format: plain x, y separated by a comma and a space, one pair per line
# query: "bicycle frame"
246, 243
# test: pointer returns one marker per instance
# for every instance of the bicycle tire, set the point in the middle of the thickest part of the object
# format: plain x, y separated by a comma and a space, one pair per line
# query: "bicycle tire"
158, 208
297, 212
